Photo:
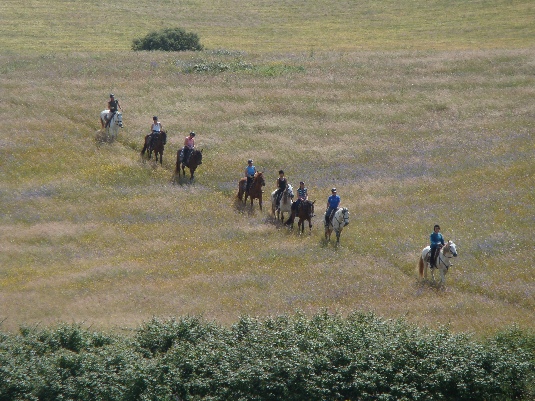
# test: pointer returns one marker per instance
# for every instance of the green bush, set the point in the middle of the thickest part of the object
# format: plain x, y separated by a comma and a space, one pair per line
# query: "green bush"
169, 39
325, 357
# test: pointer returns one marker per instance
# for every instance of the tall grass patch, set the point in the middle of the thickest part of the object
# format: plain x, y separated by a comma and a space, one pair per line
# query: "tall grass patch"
410, 138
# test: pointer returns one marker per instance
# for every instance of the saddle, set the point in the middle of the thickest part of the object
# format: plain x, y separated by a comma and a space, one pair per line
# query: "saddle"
109, 117
182, 151
433, 263
329, 218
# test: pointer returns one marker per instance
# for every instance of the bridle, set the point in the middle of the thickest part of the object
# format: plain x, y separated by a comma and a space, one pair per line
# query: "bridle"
440, 260
344, 218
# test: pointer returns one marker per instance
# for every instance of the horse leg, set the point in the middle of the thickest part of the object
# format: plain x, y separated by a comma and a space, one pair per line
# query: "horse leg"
191, 174
442, 277
309, 226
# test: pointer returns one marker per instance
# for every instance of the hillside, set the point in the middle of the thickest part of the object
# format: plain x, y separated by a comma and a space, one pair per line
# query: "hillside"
412, 131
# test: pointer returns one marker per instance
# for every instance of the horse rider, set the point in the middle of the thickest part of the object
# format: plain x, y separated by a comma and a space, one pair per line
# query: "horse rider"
113, 106
333, 202
155, 129
437, 242
189, 145
250, 171
282, 183
302, 195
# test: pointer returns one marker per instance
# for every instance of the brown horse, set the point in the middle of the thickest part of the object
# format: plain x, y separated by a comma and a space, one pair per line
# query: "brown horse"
195, 159
255, 191
305, 212
157, 146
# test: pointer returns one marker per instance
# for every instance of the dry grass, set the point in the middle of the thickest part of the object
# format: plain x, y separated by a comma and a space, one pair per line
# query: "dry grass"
89, 232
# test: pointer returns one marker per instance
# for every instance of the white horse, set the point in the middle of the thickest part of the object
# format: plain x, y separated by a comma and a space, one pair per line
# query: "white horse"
447, 252
337, 224
285, 205
113, 127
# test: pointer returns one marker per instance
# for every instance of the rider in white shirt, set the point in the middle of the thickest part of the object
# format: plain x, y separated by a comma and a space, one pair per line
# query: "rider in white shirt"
155, 129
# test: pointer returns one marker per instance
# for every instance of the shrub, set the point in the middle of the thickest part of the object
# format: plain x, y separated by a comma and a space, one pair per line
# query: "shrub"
291, 358
169, 39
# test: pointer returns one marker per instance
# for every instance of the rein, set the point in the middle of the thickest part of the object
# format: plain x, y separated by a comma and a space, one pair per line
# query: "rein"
339, 221
442, 261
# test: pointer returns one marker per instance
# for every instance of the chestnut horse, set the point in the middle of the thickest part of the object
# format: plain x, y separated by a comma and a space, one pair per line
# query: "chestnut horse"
195, 159
255, 191
157, 146
447, 252
305, 212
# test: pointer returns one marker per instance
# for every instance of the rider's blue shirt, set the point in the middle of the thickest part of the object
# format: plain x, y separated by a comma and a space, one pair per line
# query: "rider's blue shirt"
436, 238
251, 170
333, 201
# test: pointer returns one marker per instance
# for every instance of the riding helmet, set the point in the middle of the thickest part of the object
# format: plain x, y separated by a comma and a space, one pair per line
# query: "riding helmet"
155, 118
333, 190
112, 95
192, 133
250, 161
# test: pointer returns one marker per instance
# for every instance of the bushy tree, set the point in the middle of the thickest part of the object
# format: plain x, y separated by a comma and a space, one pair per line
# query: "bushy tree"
169, 39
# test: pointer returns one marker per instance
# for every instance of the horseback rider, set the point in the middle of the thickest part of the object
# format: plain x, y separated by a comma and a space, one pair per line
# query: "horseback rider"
282, 183
437, 242
333, 202
302, 195
250, 171
113, 106
189, 145
155, 130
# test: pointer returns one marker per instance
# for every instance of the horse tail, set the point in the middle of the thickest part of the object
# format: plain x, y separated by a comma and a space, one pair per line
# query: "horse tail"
290, 220
421, 266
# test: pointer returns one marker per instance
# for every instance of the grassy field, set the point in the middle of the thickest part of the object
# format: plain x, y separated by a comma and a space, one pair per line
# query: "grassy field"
419, 113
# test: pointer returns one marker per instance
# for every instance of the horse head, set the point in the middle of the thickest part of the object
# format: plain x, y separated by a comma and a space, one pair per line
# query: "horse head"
310, 208
345, 215
289, 191
450, 248
197, 156
259, 178
119, 119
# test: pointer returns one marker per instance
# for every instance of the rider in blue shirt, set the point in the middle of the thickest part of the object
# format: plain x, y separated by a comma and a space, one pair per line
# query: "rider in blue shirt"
437, 242
250, 171
332, 204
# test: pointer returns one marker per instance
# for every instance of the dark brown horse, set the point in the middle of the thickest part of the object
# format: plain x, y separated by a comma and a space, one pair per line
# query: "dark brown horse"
157, 146
195, 159
305, 212
255, 191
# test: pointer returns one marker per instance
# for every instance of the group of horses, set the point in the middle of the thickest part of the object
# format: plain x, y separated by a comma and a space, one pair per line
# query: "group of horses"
339, 220
304, 212
110, 128
157, 146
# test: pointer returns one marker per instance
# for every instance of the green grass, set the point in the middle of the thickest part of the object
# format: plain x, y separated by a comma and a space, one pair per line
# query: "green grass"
281, 26
412, 128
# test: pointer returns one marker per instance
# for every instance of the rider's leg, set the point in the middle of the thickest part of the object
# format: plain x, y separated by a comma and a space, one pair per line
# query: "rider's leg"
432, 260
